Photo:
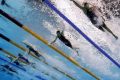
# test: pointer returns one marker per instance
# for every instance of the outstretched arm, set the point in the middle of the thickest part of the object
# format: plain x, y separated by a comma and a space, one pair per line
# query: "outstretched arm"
11, 59
78, 5
16, 59
54, 40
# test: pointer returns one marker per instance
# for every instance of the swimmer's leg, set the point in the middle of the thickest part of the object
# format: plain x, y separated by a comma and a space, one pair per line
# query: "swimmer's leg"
101, 28
76, 50
109, 30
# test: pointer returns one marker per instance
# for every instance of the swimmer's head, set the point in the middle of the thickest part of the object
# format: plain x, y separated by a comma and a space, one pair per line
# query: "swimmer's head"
0, 48
20, 55
58, 32
86, 4
6, 66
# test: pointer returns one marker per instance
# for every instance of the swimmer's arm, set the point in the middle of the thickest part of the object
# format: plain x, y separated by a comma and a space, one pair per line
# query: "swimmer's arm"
16, 59
13, 60
81, 7
78, 5
54, 40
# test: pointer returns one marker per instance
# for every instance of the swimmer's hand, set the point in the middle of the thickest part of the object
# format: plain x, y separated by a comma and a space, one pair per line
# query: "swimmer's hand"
50, 43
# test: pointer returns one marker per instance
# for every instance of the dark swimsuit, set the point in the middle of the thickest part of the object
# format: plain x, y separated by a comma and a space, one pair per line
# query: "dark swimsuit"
16, 62
24, 59
92, 17
9, 68
65, 41
36, 53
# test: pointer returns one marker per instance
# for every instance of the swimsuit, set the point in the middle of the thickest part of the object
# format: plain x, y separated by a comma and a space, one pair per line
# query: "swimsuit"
64, 40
